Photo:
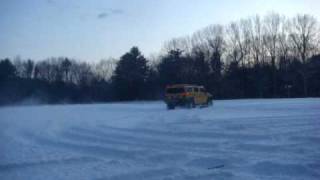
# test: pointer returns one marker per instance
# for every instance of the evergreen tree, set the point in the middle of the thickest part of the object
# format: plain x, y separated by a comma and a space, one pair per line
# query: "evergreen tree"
7, 70
130, 75
170, 68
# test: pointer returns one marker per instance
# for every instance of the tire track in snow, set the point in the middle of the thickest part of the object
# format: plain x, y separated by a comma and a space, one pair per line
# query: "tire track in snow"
162, 142
147, 174
87, 149
53, 162
138, 141
195, 135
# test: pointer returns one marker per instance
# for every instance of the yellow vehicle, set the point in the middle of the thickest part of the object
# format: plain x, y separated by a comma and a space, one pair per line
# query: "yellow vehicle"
186, 95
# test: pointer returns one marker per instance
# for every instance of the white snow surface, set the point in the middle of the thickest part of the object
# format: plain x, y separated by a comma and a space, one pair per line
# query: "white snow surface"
233, 139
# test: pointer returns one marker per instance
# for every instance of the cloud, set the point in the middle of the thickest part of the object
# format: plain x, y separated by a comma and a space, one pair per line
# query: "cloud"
116, 11
103, 15
109, 12
51, 2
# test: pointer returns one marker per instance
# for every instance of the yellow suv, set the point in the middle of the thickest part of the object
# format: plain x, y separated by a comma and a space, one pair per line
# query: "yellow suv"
186, 95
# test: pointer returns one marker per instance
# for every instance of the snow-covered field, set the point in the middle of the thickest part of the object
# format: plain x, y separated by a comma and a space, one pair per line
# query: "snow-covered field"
234, 139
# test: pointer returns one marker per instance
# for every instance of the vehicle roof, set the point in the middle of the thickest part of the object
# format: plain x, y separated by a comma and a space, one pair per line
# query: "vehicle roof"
182, 85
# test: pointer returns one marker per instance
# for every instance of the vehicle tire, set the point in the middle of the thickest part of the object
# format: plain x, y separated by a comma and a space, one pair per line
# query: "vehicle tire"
191, 104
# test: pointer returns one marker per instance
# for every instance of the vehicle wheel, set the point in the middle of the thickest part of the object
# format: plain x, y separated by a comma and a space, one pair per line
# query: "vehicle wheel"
191, 104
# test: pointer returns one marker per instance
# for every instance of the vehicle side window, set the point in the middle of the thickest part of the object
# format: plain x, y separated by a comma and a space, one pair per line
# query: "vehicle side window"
189, 89
174, 90
196, 89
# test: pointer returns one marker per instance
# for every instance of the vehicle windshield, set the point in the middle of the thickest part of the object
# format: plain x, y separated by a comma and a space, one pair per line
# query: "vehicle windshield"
175, 90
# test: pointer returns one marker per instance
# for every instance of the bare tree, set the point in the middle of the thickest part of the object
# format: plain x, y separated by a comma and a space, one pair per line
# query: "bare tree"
82, 73
284, 45
105, 68
303, 34
256, 36
214, 36
42, 71
209, 40
65, 65
284, 51
18, 63
199, 43
238, 41
27, 69
183, 43
24, 68
271, 41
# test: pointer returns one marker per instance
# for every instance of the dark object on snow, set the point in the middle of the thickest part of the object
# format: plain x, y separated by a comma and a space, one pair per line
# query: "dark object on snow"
216, 167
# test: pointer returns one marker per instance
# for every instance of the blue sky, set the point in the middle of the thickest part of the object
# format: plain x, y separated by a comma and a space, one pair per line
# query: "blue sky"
94, 29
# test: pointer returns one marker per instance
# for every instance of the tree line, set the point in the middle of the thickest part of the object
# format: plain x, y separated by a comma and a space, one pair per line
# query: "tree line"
257, 57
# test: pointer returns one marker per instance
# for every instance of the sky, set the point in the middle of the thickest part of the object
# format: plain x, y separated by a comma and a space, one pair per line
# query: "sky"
91, 30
